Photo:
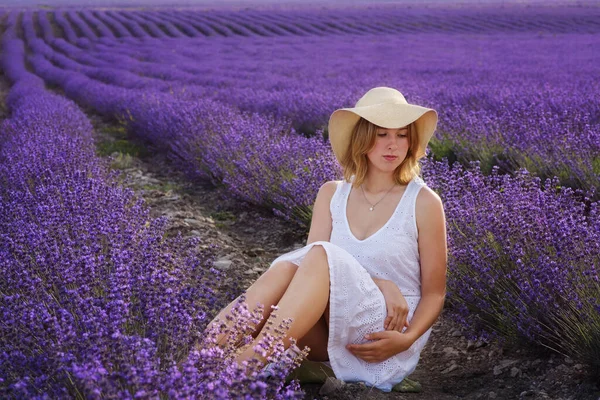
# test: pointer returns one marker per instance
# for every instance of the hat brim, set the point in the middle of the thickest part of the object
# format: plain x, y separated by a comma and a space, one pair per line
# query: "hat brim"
386, 115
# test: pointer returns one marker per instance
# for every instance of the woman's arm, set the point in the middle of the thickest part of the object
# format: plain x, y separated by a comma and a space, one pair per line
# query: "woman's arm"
395, 303
320, 225
431, 225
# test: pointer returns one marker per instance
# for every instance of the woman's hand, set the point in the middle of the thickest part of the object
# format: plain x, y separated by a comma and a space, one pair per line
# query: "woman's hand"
396, 305
384, 345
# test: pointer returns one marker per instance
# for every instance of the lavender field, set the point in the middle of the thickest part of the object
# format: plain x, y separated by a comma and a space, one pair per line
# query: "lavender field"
97, 302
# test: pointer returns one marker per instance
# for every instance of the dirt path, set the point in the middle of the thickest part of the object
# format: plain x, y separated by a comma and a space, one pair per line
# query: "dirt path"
248, 238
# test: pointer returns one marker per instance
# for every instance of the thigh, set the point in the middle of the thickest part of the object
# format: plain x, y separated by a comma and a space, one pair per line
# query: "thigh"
267, 289
273, 283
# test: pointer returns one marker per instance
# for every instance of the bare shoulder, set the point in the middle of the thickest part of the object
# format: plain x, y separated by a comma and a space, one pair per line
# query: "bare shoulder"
427, 199
429, 208
320, 226
327, 189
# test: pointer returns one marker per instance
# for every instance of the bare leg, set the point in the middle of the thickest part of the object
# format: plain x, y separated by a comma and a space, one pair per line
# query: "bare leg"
267, 290
305, 300
316, 339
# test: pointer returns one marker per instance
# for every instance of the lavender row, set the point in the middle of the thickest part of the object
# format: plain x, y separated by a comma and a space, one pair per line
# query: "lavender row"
553, 131
589, 139
302, 22
257, 170
95, 302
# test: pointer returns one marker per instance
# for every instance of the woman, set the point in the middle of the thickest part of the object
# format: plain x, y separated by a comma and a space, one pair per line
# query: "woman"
366, 289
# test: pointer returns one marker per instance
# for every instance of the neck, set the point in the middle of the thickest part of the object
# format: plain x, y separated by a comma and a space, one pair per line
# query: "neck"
378, 182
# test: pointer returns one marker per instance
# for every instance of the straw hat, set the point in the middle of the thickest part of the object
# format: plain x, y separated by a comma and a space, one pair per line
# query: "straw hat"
385, 107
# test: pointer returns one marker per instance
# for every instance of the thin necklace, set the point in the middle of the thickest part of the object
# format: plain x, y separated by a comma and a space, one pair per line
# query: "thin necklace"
373, 205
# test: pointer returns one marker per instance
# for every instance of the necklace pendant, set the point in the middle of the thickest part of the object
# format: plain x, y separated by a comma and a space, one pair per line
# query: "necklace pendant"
370, 208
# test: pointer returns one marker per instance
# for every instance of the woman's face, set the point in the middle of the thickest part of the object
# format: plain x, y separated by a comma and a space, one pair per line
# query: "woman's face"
390, 148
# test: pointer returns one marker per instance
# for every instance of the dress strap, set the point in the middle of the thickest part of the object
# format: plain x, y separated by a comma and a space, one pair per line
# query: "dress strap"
410, 204
336, 205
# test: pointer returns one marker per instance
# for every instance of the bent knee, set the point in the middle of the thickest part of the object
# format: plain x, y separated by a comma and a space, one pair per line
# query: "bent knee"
316, 256
284, 267
317, 251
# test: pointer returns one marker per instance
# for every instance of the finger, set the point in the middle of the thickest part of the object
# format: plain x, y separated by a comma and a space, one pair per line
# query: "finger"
365, 353
362, 347
401, 323
362, 354
387, 321
392, 326
405, 321
377, 335
371, 346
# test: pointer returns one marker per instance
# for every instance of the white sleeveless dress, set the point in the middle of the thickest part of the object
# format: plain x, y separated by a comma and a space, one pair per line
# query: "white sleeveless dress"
356, 305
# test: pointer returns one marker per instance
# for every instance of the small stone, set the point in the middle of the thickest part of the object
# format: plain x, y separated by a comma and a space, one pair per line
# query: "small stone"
255, 252
578, 366
249, 272
222, 265
470, 345
514, 371
527, 393
249, 229
330, 386
536, 362
450, 351
491, 354
171, 197
451, 368
195, 233
193, 222
492, 395
456, 333
298, 246
498, 370
507, 363
568, 360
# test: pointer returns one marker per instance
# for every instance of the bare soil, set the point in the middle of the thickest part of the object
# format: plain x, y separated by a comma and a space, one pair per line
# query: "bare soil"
249, 238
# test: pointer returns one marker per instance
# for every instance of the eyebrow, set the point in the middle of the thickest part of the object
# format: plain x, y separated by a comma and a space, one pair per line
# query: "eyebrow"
382, 128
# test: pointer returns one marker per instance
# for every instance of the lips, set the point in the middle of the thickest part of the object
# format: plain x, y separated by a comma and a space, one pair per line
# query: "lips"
390, 158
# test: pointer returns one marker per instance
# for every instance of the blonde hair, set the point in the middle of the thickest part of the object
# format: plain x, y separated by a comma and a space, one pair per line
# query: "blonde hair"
362, 140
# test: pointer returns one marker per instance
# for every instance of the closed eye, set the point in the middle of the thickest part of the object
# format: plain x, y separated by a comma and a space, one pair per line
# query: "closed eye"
400, 134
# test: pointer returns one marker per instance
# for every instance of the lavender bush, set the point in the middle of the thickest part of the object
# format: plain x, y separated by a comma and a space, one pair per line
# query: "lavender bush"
96, 302
523, 257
